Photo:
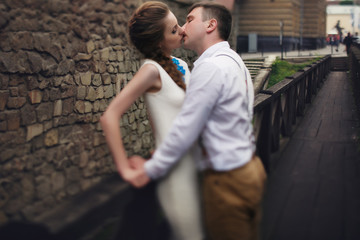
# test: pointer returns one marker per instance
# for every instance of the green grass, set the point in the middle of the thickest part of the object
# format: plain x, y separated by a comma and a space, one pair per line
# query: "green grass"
281, 69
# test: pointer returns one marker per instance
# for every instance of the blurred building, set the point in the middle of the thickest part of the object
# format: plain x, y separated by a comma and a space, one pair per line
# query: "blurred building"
343, 15
260, 23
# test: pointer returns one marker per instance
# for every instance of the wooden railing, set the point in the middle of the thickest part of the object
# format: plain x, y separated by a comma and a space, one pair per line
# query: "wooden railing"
354, 64
277, 108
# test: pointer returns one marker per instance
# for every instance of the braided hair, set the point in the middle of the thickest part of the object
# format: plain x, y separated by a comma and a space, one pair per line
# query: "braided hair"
146, 31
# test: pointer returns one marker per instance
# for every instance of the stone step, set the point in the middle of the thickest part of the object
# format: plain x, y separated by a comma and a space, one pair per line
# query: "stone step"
254, 66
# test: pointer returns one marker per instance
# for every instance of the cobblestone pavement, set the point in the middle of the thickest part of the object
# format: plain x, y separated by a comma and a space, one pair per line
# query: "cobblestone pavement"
304, 53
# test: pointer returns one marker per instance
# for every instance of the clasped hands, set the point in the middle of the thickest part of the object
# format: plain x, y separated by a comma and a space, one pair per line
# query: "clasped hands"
135, 174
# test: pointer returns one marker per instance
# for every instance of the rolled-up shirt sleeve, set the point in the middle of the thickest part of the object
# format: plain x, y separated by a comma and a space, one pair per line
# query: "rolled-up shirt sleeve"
202, 94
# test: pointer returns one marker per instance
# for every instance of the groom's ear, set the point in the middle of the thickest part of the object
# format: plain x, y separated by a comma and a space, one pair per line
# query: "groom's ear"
212, 25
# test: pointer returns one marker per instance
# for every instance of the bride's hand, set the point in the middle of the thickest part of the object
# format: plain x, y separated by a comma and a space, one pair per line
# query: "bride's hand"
137, 177
136, 162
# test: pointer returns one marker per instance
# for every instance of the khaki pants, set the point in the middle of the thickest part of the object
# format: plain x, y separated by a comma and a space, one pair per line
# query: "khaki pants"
232, 201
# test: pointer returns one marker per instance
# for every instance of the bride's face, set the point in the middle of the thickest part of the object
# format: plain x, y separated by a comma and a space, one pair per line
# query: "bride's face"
173, 34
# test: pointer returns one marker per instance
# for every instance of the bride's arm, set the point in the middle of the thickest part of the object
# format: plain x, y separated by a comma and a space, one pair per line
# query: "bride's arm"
146, 78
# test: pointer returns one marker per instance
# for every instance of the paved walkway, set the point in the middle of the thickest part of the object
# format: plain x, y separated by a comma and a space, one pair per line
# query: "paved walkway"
304, 53
314, 188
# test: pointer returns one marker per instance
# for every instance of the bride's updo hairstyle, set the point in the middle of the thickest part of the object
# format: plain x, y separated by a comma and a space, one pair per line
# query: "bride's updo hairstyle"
146, 32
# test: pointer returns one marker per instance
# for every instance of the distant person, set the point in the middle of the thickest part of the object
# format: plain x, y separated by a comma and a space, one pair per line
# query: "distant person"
339, 30
218, 108
337, 42
348, 41
162, 79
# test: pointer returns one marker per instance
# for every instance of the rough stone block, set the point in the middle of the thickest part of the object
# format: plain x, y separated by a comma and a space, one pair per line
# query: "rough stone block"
120, 55
106, 78
3, 126
54, 94
104, 54
16, 102
100, 93
31, 82
51, 138
88, 107
4, 96
111, 69
67, 91
69, 80
90, 46
102, 67
131, 117
98, 139
96, 56
108, 91
84, 158
103, 105
91, 94
82, 57
96, 107
8, 62
43, 186
23, 40
57, 181
33, 131
23, 92
13, 120
4, 81
112, 56
28, 115
35, 62
80, 106
14, 91
121, 67
66, 66
48, 125
72, 174
44, 111
96, 80
57, 81
81, 92
68, 106
28, 188
57, 108
86, 78
127, 54
35, 96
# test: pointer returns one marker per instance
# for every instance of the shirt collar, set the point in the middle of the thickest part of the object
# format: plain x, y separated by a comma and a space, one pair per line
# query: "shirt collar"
211, 50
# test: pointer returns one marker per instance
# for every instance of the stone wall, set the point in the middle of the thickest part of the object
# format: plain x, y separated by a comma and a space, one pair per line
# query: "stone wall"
61, 63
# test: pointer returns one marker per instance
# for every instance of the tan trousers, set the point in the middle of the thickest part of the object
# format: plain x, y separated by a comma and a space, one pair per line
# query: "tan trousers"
232, 201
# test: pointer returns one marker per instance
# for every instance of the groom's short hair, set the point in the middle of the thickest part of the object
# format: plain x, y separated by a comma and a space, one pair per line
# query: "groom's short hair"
218, 12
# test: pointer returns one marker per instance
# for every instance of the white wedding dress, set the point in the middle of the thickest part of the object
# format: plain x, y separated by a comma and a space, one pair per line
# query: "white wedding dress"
178, 191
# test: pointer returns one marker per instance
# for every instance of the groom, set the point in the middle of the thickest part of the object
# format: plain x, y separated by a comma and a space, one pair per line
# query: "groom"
218, 108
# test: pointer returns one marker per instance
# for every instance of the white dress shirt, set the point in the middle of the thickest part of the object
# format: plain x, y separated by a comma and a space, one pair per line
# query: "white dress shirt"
218, 107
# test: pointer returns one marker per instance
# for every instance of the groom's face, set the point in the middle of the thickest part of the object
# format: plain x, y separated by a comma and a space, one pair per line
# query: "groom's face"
194, 29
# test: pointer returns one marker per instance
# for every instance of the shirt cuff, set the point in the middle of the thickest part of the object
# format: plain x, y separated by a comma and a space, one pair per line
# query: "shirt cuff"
151, 170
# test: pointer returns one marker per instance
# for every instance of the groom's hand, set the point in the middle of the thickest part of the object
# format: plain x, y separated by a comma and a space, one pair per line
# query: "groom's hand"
137, 176
136, 162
